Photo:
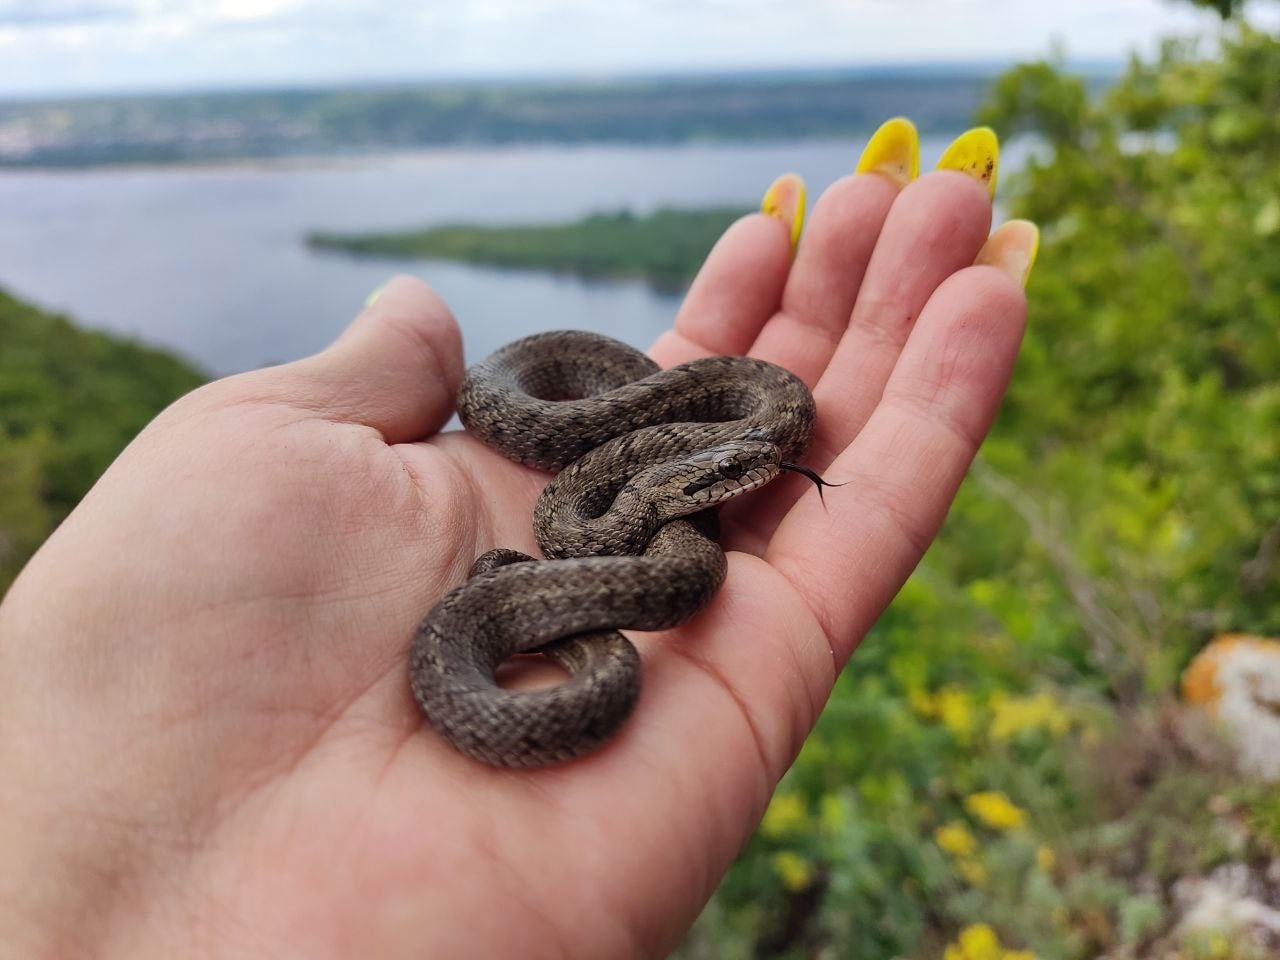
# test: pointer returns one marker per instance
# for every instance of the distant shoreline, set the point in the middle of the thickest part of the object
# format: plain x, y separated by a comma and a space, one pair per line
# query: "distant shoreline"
373, 156
409, 155
304, 125
1103, 68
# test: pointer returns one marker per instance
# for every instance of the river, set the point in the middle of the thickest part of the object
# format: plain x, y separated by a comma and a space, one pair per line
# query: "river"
210, 261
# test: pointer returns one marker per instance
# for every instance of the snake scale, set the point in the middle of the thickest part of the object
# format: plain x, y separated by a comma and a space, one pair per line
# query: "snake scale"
641, 456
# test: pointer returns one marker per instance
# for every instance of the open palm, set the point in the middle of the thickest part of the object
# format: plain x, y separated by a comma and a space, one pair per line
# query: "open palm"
207, 734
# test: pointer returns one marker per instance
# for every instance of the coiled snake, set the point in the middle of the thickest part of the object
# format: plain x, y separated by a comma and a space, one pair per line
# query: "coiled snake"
635, 449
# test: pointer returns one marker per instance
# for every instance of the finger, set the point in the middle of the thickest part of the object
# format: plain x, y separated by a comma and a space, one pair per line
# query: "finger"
1012, 247
834, 253
936, 227
904, 467
738, 288
396, 368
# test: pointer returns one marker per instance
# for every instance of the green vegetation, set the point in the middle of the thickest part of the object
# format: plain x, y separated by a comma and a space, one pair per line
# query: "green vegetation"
665, 247
69, 401
184, 128
999, 771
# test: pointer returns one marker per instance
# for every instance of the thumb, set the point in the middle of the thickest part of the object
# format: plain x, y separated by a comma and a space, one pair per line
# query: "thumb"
396, 368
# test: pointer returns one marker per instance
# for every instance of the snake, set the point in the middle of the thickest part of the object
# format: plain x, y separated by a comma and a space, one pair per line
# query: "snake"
641, 458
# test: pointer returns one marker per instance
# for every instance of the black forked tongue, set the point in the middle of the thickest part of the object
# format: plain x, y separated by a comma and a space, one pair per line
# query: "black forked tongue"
817, 480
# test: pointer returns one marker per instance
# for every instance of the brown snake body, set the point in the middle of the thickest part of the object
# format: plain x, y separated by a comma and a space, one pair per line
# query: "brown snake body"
636, 449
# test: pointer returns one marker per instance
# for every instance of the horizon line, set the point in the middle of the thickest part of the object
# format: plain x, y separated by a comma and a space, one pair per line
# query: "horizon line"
943, 67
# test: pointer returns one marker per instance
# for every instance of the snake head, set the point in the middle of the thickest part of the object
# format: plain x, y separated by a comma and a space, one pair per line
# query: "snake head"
712, 476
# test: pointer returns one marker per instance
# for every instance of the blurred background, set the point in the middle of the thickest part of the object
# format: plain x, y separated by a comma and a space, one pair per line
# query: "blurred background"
1063, 738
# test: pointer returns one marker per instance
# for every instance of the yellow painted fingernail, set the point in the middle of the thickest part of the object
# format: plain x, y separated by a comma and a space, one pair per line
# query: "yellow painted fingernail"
893, 150
784, 201
977, 153
372, 298
1012, 248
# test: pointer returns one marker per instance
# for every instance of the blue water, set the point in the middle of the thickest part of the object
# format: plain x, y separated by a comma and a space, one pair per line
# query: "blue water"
210, 262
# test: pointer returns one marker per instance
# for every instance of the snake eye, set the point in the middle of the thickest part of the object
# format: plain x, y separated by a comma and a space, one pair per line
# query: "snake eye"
732, 469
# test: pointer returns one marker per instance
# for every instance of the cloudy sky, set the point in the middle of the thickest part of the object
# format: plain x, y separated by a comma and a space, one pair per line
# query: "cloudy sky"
58, 46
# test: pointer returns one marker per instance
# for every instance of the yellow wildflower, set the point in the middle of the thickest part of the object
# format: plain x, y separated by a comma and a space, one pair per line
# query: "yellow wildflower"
955, 710
1046, 858
955, 838
923, 703
785, 816
793, 870
979, 942
951, 705
972, 871
995, 810
1012, 715
976, 942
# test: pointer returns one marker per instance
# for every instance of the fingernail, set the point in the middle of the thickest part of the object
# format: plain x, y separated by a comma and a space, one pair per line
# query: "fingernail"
893, 150
372, 298
1012, 248
784, 201
977, 153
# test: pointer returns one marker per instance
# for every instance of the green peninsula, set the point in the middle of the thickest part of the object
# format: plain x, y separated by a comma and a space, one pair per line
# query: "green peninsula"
665, 247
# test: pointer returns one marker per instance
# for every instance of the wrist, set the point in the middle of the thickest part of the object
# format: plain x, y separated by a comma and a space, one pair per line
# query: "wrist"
71, 850
57, 891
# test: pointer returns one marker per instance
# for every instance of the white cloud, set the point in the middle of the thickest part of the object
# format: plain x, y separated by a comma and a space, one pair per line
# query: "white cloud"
253, 10
159, 43
41, 14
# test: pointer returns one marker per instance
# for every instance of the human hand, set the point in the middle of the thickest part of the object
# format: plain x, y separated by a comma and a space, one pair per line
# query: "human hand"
206, 731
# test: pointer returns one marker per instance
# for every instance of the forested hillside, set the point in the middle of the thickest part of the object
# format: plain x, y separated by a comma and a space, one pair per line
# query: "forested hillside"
70, 400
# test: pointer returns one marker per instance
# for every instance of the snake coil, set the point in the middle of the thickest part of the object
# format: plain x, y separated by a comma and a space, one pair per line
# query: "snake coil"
635, 450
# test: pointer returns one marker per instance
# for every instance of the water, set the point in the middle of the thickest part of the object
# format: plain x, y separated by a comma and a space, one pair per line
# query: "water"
210, 262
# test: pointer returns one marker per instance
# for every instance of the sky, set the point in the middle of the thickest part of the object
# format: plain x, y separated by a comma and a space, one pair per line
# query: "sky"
76, 46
